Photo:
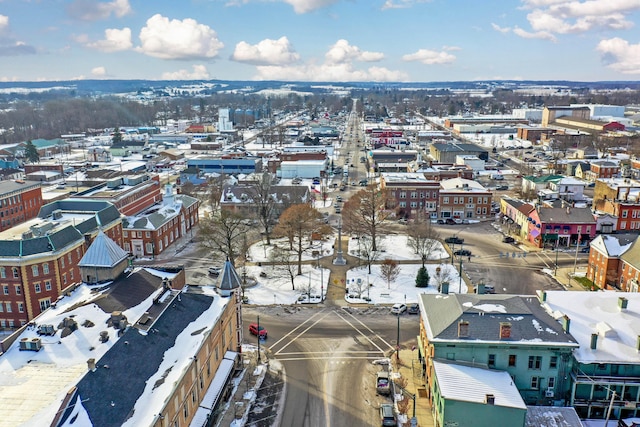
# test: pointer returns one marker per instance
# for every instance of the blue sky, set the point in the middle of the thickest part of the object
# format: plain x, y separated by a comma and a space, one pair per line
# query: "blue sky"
320, 40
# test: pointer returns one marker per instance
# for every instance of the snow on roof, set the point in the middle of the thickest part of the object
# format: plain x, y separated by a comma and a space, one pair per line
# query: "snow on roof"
470, 384
613, 245
599, 313
33, 384
461, 184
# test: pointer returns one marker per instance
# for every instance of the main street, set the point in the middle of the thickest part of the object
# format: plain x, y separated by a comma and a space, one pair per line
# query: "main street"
327, 355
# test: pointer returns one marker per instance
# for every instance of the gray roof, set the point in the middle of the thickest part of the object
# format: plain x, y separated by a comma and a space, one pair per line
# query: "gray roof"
285, 194
103, 252
553, 416
530, 323
229, 278
570, 216
11, 186
109, 395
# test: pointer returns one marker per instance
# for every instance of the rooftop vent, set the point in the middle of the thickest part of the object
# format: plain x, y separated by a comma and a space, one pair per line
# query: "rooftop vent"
622, 303
463, 329
30, 344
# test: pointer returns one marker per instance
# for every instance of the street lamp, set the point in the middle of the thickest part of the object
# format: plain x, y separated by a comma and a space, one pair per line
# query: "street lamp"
398, 340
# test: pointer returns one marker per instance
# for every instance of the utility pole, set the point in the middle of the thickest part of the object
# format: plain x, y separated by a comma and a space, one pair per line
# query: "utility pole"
398, 340
460, 273
259, 360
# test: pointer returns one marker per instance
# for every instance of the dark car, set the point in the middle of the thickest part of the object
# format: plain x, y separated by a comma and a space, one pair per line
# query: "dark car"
508, 239
455, 240
450, 221
440, 221
254, 328
502, 187
413, 308
585, 250
462, 252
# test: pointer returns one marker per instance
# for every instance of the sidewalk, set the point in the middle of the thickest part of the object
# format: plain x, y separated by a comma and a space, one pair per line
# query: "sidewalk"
410, 369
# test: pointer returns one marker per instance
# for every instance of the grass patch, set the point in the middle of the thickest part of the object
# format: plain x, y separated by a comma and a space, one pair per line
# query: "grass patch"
586, 283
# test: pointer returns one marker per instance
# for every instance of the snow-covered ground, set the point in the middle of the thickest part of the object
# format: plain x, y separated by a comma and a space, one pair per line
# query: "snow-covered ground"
274, 283
397, 247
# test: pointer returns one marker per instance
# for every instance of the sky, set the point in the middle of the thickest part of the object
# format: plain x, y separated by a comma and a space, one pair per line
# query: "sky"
320, 40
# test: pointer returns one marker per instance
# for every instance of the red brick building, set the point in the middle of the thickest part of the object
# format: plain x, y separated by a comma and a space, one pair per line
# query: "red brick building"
130, 194
39, 259
605, 264
149, 234
464, 199
19, 202
411, 194
602, 169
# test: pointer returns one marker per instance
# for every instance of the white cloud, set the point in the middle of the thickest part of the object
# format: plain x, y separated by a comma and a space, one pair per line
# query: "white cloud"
199, 73
543, 35
401, 4
342, 52
99, 71
266, 52
175, 39
500, 29
430, 57
328, 73
305, 6
620, 56
90, 10
4, 23
570, 16
114, 40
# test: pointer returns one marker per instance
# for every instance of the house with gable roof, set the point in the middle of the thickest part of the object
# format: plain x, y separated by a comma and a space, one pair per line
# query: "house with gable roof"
508, 333
605, 265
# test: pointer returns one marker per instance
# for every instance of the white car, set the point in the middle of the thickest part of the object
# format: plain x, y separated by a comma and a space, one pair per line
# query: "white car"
214, 271
398, 308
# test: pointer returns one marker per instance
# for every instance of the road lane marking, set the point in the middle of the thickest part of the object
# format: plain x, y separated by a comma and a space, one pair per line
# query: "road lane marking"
301, 333
361, 333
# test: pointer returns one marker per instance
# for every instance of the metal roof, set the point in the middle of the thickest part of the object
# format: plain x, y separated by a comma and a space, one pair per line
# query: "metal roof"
103, 252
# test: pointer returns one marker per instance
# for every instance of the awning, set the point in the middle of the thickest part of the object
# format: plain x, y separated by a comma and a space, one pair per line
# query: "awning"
212, 397
546, 237
535, 232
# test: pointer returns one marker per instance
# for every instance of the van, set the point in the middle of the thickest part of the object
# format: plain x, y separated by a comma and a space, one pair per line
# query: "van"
497, 177
383, 385
387, 416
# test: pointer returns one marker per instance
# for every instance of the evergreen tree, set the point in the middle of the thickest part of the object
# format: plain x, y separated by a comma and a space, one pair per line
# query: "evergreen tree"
31, 152
117, 136
422, 278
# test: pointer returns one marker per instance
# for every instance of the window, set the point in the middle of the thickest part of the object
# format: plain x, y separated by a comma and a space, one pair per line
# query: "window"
492, 361
147, 234
535, 362
414, 204
62, 262
20, 307
3, 273
624, 214
45, 303
1, 308
403, 194
401, 204
7, 306
149, 248
47, 284
445, 200
18, 290
512, 360
15, 273
535, 383
35, 270
125, 234
37, 288
5, 289
414, 194
553, 362
552, 382
45, 268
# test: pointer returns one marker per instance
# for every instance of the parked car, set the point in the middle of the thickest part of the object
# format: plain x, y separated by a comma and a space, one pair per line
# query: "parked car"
450, 221
508, 239
462, 252
214, 271
454, 239
254, 328
440, 221
413, 308
585, 250
383, 386
502, 187
338, 198
398, 308
387, 416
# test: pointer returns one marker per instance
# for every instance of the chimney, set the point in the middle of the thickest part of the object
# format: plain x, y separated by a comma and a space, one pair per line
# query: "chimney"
542, 296
490, 399
622, 303
505, 330
91, 364
463, 329
444, 288
566, 323
594, 341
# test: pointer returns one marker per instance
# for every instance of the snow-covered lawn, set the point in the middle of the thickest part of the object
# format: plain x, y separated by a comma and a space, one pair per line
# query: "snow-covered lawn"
261, 252
397, 247
403, 288
274, 287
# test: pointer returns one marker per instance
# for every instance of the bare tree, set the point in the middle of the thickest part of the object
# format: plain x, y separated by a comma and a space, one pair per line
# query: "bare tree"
365, 213
299, 223
215, 188
366, 250
265, 204
442, 275
283, 259
360, 287
222, 232
389, 269
423, 237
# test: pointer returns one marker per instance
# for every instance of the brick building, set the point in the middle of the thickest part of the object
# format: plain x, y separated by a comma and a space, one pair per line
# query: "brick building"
130, 194
602, 169
411, 194
19, 202
605, 264
464, 199
39, 258
152, 232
